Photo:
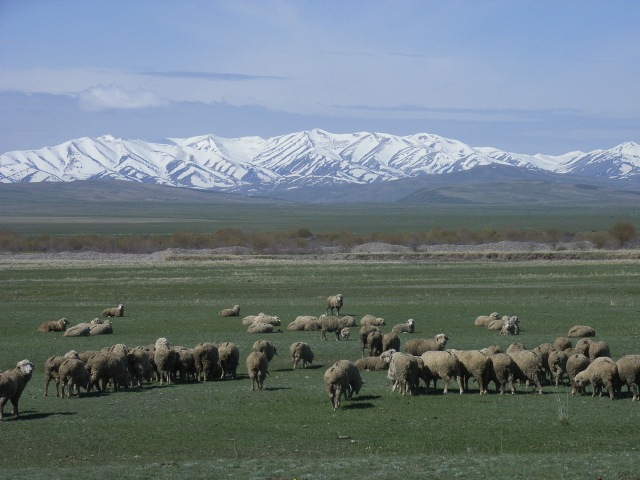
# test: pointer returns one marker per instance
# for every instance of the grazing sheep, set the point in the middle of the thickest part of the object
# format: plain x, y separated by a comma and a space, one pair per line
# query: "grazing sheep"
390, 341
185, 364
336, 381
301, 351
629, 374
57, 326
304, 322
12, 384
353, 375
404, 373
104, 328
79, 330
418, 346
583, 345
365, 330
511, 327
114, 311
407, 327
438, 364
375, 363
104, 367
374, 340
120, 350
372, 320
86, 355
598, 349
491, 350
334, 302
229, 359
576, 363
230, 312
515, 347
502, 371
332, 324
474, 364
73, 375
165, 358
529, 367
345, 333
581, 331
601, 373
261, 318
257, 368
51, 368
562, 343
557, 361
543, 350
206, 358
484, 320
266, 347
140, 366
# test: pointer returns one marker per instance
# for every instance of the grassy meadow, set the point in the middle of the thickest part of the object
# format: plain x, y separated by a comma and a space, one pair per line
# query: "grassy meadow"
222, 429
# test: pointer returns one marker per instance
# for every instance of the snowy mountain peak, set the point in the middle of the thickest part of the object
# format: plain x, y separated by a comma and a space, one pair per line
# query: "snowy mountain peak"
315, 157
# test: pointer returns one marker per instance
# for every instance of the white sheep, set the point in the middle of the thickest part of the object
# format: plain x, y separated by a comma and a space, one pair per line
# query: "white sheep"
104, 328
438, 364
581, 331
12, 384
206, 357
390, 340
474, 364
262, 318
73, 375
165, 358
336, 381
353, 375
629, 374
301, 351
80, 330
375, 363
407, 327
334, 302
105, 367
266, 347
230, 312
229, 359
510, 326
257, 368
57, 326
404, 372
51, 368
529, 369
503, 371
260, 327
372, 320
601, 373
418, 346
374, 340
598, 349
557, 361
576, 363
304, 322
483, 320
114, 311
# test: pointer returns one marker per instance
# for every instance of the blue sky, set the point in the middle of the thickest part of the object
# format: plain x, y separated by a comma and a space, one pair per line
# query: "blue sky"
523, 76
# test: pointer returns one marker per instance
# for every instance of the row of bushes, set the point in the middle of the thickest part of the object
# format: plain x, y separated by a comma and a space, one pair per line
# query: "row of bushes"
304, 241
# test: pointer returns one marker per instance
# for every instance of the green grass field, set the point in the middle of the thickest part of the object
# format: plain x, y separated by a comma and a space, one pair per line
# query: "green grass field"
224, 430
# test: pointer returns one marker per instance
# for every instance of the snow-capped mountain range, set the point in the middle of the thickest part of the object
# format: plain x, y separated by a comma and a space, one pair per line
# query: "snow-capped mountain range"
254, 165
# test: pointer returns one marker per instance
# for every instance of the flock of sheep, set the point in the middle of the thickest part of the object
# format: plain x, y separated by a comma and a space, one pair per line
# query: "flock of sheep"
587, 363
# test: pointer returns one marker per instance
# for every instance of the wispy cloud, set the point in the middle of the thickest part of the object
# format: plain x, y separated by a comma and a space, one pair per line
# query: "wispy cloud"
233, 77
106, 97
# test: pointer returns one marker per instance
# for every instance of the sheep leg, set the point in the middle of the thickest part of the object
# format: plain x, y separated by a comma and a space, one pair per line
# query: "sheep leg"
3, 401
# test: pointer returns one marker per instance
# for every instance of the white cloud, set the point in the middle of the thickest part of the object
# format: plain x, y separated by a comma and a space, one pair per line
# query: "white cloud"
107, 97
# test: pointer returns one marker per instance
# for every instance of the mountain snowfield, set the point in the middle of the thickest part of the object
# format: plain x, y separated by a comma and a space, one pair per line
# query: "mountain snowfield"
255, 165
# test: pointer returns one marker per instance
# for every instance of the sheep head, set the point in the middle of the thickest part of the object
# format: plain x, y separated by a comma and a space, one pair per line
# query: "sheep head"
25, 367
441, 339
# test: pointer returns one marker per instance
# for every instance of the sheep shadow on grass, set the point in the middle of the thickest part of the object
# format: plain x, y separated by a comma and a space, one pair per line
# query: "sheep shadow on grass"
33, 415
358, 406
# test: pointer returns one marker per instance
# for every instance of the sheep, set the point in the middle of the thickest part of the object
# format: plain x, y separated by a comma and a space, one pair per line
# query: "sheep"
258, 368
543, 350
374, 340
107, 366
120, 350
404, 373
114, 311
259, 327
629, 374
418, 346
261, 318
348, 321
529, 367
301, 351
230, 312
229, 359
140, 366
407, 327
483, 320
104, 328
562, 343
57, 326
185, 364
491, 350
511, 327
336, 381
598, 349
51, 368
502, 371
365, 330
375, 363
474, 364
266, 347
576, 363
304, 322
332, 324
557, 361
353, 375
601, 373
165, 358
206, 358
86, 355
79, 330
372, 320
13, 383
390, 340
581, 331
345, 333
73, 374
583, 345
515, 347
334, 302
438, 364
